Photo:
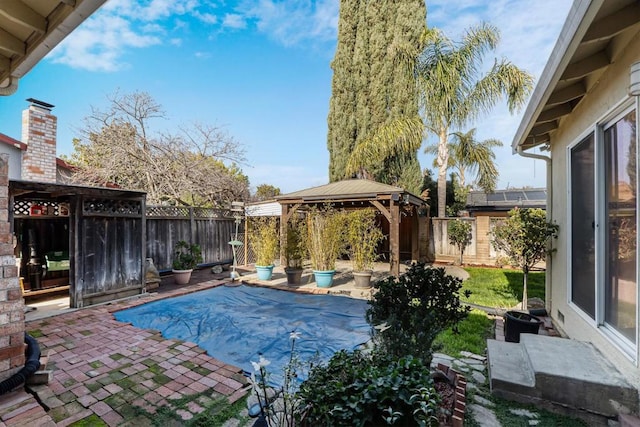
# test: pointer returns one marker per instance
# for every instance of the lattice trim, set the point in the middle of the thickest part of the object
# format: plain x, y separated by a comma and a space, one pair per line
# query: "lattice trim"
112, 207
185, 212
40, 208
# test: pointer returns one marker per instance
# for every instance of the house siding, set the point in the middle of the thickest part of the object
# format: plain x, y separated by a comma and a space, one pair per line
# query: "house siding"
609, 93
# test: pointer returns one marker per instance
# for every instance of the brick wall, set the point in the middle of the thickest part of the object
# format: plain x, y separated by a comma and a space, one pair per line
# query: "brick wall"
11, 302
39, 129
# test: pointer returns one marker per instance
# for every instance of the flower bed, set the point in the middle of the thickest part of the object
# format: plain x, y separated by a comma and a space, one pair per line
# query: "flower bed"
453, 394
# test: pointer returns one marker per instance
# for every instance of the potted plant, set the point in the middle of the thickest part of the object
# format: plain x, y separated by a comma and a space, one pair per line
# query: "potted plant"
524, 236
363, 237
264, 238
186, 257
326, 243
296, 249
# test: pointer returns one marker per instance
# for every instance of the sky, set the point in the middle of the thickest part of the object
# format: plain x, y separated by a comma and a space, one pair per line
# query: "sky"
260, 70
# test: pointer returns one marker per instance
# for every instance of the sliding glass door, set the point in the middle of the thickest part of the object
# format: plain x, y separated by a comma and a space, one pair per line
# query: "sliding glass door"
620, 285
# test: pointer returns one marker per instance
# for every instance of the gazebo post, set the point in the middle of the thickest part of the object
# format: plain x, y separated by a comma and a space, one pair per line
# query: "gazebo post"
284, 219
394, 237
415, 235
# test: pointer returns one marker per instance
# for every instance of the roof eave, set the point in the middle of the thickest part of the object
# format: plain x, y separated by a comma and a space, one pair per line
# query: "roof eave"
79, 14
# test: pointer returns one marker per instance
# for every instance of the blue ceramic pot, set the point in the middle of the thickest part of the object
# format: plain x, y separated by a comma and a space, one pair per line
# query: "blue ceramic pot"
324, 279
264, 272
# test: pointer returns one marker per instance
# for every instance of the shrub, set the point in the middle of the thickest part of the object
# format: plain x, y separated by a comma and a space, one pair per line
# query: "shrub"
296, 242
363, 236
524, 237
326, 237
186, 256
460, 235
356, 389
414, 308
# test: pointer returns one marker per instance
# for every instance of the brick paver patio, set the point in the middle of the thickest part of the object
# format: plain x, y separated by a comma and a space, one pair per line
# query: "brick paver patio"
111, 371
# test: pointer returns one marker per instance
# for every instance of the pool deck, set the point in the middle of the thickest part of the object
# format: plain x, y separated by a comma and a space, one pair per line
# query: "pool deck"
121, 374
113, 371
343, 283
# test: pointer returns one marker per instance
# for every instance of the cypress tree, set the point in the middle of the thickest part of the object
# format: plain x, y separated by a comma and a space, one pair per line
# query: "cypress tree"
373, 82
342, 114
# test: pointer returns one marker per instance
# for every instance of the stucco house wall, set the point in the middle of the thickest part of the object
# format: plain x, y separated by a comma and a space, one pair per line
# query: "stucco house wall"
609, 94
13, 148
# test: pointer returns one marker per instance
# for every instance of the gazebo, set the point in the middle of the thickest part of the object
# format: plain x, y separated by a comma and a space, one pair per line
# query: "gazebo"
406, 213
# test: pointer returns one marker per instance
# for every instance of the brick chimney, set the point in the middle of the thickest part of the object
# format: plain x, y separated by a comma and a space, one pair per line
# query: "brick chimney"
39, 129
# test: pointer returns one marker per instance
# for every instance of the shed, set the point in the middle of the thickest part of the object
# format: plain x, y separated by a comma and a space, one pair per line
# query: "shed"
264, 208
90, 239
406, 213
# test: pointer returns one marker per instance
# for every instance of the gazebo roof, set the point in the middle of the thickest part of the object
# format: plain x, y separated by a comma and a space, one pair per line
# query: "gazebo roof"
349, 189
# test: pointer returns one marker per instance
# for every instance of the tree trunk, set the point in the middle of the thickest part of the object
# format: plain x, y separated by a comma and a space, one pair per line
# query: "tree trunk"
442, 161
525, 303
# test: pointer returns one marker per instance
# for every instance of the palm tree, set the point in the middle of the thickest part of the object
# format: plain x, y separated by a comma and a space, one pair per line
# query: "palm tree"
469, 156
453, 91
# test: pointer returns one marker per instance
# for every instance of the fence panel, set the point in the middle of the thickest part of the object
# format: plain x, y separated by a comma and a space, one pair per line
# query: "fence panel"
441, 238
212, 229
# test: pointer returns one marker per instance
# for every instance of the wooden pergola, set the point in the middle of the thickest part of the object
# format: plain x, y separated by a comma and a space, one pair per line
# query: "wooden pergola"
392, 202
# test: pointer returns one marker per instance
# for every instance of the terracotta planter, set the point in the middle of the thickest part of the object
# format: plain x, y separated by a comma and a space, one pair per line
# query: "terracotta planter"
182, 277
362, 279
294, 276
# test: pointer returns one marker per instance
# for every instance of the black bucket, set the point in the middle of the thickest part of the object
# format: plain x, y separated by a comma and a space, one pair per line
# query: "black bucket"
516, 323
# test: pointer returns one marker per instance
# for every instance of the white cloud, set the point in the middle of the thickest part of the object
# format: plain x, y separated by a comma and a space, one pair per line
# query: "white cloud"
207, 18
292, 22
234, 20
97, 45
120, 26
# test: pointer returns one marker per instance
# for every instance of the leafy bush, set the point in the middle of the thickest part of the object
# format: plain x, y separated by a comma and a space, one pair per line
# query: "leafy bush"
296, 242
363, 236
326, 237
186, 256
356, 389
414, 308
524, 236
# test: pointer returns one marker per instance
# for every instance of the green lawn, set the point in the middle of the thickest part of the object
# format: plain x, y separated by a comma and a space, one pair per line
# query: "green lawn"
472, 335
499, 287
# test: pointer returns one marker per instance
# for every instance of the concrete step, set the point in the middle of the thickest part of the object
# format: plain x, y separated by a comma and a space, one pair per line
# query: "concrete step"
628, 421
561, 372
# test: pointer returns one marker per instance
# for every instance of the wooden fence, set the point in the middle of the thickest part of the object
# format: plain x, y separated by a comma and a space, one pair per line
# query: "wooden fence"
479, 251
210, 228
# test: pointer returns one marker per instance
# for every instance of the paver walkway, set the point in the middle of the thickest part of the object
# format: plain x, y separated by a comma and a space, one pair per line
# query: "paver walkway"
111, 371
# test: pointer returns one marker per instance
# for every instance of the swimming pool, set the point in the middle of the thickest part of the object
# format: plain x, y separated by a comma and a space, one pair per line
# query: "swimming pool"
237, 324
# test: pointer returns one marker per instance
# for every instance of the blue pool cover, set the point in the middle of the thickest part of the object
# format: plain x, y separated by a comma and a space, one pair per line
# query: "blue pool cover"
238, 324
